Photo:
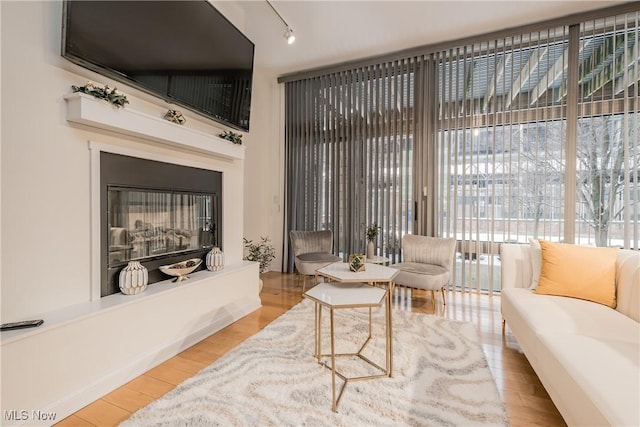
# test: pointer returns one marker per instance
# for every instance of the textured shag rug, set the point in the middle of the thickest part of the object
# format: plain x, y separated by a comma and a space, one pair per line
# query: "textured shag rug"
440, 378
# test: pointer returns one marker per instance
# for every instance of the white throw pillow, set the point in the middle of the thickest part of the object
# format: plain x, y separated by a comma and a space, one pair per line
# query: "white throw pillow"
536, 262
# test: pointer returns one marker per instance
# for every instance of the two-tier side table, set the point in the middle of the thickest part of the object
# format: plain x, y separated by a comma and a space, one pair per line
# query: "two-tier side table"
335, 296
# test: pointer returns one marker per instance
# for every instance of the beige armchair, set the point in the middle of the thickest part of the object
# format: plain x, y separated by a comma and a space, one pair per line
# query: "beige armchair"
312, 250
427, 263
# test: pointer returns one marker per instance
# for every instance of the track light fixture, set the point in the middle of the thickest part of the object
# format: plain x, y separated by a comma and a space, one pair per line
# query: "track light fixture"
288, 34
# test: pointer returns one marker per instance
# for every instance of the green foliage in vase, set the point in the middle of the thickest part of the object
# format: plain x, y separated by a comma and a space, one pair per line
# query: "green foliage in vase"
372, 232
262, 252
236, 138
110, 95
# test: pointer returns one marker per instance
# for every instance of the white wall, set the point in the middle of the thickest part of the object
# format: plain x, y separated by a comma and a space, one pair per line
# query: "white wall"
45, 166
46, 223
264, 189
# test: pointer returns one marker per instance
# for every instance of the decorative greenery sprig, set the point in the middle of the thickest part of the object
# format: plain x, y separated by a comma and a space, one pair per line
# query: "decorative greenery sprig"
372, 231
262, 252
236, 138
110, 95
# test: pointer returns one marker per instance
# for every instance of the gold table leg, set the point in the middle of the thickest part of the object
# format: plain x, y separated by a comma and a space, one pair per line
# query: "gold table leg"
390, 328
316, 350
336, 397
334, 406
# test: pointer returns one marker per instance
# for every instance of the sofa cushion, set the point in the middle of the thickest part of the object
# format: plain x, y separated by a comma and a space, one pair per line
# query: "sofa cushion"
588, 348
536, 262
628, 283
565, 315
578, 271
602, 369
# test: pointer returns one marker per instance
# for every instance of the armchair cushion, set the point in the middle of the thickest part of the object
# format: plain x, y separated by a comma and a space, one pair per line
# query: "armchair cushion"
319, 257
422, 276
312, 250
416, 267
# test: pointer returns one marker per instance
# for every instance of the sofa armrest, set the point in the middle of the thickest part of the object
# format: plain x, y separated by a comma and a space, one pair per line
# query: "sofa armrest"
628, 283
515, 269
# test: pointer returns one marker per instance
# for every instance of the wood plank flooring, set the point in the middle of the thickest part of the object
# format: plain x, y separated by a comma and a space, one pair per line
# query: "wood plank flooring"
526, 400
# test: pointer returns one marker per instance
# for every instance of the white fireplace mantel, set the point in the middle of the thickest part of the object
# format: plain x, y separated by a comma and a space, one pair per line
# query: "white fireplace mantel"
85, 109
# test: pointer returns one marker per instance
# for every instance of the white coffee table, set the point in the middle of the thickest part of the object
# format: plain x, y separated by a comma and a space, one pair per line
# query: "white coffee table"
335, 296
376, 259
374, 274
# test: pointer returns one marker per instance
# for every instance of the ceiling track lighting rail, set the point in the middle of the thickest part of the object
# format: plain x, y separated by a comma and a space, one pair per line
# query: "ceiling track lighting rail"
288, 34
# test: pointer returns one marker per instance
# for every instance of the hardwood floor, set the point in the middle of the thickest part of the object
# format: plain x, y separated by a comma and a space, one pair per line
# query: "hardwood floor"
527, 402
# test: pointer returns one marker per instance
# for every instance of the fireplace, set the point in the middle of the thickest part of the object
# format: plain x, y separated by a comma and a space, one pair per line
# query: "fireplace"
156, 213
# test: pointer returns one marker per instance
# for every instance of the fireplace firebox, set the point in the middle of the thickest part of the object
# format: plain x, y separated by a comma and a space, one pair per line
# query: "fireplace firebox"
156, 213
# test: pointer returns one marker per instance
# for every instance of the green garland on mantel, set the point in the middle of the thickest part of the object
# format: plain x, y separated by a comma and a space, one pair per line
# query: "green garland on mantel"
106, 93
236, 138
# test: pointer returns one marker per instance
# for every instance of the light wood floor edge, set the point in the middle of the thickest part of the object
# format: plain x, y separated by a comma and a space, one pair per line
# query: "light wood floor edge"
526, 401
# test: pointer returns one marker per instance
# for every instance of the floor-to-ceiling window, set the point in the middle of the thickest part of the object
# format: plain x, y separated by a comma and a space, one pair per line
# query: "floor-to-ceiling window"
531, 133
500, 143
608, 133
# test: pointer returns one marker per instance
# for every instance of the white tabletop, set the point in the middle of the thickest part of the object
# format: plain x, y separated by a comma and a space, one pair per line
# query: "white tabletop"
346, 295
339, 271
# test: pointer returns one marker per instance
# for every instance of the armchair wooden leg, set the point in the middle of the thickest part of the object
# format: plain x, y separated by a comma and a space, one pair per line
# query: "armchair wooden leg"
504, 324
444, 301
433, 299
304, 283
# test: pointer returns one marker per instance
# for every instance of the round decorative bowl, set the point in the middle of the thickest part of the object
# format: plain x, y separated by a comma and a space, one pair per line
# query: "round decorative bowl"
180, 269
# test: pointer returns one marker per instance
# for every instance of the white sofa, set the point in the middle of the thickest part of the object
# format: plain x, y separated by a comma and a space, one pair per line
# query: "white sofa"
586, 354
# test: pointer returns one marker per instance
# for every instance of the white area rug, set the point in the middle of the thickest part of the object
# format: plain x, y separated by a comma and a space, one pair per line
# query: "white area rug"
441, 378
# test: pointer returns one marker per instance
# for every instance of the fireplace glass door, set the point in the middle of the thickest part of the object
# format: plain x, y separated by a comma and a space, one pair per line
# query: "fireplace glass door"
144, 224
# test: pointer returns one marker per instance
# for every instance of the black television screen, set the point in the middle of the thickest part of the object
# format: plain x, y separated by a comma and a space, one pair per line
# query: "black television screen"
185, 52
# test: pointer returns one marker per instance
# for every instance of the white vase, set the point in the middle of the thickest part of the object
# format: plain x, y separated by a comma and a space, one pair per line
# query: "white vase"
133, 279
371, 249
215, 259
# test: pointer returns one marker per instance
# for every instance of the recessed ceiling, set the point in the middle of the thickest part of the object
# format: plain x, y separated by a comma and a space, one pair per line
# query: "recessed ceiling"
330, 32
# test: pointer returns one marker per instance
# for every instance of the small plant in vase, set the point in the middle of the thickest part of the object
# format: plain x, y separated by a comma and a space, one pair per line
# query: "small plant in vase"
262, 252
372, 232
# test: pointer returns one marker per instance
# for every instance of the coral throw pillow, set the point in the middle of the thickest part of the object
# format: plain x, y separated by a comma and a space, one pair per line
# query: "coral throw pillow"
583, 272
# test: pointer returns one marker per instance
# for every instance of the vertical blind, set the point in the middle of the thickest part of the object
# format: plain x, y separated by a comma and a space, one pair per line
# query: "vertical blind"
500, 144
349, 142
534, 134
608, 143
533, 131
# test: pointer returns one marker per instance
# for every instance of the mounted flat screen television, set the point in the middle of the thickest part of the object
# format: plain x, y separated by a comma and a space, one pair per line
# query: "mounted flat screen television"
185, 52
